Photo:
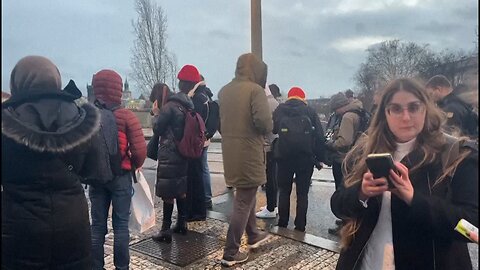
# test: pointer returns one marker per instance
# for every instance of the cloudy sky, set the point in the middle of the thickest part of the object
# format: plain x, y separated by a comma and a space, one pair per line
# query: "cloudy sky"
315, 44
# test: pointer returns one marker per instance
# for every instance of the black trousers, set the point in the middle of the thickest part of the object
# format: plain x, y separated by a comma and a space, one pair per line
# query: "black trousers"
195, 203
271, 187
337, 174
303, 170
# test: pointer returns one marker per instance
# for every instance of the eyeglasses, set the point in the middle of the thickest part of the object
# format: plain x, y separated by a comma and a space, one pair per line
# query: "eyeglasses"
413, 108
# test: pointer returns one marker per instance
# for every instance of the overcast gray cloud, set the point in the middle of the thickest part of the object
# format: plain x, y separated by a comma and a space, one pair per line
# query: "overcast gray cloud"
315, 44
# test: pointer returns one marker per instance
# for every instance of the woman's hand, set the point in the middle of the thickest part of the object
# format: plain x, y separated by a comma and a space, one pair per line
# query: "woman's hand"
404, 188
372, 187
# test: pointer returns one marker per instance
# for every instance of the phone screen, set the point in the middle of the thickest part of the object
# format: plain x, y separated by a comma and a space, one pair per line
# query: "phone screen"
380, 166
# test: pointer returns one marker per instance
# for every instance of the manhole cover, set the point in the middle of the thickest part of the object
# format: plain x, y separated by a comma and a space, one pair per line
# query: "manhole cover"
183, 250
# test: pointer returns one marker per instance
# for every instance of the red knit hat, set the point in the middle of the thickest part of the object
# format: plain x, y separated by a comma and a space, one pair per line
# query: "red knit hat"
189, 73
296, 92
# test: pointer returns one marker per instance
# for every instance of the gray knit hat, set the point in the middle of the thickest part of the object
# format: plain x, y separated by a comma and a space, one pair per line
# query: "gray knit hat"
338, 100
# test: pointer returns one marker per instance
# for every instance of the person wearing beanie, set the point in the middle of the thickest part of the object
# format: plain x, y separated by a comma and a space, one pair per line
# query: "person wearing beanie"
46, 141
245, 120
173, 170
343, 125
292, 162
199, 192
107, 88
296, 93
202, 100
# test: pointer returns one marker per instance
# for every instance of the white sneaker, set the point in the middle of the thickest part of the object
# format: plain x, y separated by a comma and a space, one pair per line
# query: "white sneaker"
265, 207
264, 213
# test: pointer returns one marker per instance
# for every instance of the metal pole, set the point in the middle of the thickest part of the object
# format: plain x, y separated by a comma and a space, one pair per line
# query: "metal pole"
256, 26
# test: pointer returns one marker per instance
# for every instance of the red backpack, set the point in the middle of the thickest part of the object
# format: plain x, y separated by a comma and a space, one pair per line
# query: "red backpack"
191, 144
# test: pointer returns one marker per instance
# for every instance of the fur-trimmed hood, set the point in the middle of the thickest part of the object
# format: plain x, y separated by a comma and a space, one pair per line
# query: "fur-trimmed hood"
50, 125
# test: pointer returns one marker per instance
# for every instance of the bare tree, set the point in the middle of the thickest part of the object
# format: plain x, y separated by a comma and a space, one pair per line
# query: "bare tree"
151, 61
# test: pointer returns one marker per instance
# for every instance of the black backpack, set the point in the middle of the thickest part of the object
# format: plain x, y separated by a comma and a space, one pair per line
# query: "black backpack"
364, 117
295, 137
106, 163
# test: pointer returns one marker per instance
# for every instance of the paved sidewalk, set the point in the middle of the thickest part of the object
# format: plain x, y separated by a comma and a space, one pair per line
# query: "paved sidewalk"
278, 253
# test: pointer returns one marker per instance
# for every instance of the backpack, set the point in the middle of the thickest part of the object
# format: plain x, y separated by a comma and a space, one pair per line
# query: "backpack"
364, 117
107, 162
212, 121
295, 136
191, 144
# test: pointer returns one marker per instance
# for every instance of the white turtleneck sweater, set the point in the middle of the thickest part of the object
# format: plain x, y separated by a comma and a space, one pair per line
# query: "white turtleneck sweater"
378, 252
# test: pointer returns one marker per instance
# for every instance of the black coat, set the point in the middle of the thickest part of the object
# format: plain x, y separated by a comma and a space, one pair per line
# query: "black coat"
423, 233
298, 107
45, 223
172, 167
457, 114
200, 99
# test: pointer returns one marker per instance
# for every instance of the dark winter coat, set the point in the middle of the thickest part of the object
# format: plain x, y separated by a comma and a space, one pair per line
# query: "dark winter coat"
423, 233
45, 223
457, 113
107, 87
200, 99
298, 107
245, 119
172, 167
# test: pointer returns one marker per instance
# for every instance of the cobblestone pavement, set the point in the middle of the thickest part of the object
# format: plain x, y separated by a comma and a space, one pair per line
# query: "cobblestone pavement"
278, 253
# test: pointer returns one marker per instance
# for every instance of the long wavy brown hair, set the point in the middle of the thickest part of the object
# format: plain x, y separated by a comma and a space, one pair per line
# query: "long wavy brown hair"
430, 141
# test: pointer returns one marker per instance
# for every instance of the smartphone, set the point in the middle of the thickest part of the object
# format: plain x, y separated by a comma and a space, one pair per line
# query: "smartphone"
380, 165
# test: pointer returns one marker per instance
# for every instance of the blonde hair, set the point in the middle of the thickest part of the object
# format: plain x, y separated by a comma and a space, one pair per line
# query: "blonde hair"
430, 141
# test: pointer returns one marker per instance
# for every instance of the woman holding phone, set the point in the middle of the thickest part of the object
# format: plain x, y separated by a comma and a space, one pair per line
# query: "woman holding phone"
410, 226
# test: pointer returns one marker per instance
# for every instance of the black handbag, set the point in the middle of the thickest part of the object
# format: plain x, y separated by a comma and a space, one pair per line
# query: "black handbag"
152, 147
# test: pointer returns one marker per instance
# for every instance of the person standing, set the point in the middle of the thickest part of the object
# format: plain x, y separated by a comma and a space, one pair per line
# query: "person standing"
173, 171
270, 210
245, 119
458, 112
107, 88
46, 140
410, 226
196, 209
291, 161
344, 132
201, 97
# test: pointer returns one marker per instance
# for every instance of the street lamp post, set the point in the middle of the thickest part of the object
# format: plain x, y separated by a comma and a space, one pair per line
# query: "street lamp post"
256, 27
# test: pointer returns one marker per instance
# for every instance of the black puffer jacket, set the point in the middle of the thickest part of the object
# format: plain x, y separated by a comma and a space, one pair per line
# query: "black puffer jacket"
45, 222
172, 167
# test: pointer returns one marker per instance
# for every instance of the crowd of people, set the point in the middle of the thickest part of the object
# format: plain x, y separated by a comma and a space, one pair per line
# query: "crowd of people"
429, 131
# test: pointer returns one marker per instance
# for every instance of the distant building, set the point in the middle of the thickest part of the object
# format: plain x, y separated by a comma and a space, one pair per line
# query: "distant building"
126, 94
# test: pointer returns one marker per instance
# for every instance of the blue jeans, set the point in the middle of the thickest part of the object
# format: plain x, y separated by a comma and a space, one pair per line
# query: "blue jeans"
119, 193
206, 176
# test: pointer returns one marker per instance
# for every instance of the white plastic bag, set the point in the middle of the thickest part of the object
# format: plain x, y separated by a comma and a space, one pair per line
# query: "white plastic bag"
142, 216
